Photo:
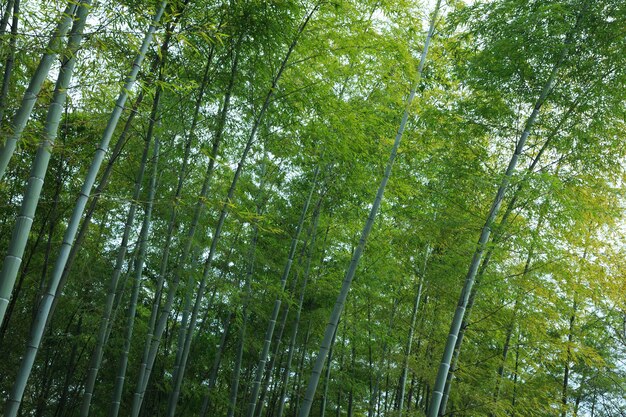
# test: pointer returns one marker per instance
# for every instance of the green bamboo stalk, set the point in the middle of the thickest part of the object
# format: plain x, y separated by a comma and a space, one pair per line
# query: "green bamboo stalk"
240, 165
273, 357
4, 21
329, 361
38, 327
518, 296
24, 221
132, 308
154, 339
235, 378
223, 213
277, 303
498, 234
115, 287
294, 331
375, 389
409, 342
206, 400
298, 383
234, 386
98, 192
155, 67
98, 350
34, 87
356, 257
444, 367
182, 337
174, 210
8, 67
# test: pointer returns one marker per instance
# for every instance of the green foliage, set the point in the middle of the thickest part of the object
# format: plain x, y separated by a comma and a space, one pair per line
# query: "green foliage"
549, 303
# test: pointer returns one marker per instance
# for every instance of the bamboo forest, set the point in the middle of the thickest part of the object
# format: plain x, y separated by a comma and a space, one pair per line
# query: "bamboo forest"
313, 208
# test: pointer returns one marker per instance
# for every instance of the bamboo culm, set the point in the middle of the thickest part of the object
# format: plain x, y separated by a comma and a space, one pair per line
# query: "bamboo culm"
155, 67
172, 222
6, 15
273, 357
444, 367
8, 66
409, 342
294, 331
34, 87
231, 192
356, 257
206, 400
96, 356
98, 191
114, 285
38, 327
498, 233
25, 218
24, 221
132, 307
277, 303
155, 338
188, 326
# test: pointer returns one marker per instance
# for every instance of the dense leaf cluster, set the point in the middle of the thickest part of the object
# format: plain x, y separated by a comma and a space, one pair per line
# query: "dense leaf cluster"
232, 195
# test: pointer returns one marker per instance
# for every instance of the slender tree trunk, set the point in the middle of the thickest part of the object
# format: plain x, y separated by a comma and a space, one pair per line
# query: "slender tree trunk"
518, 295
411, 391
181, 342
24, 273
6, 15
351, 393
38, 327
270, 366
32, 92
156, 66
8, 67
327, 376
183, 331
234, 387
349, 411
71, 368
486, 261
505, 352
139, 265
407, 353
273, 382
455, 327
387, 385
45, 382
226, 206
294, 331
108, 170
298, 385
277, 303
98, 351
579, 394
375, 392
24, 221
148, 360
155, 338
170, 229
206, 401
53, 223
341, 299
121, 288
515, 375
566, 371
